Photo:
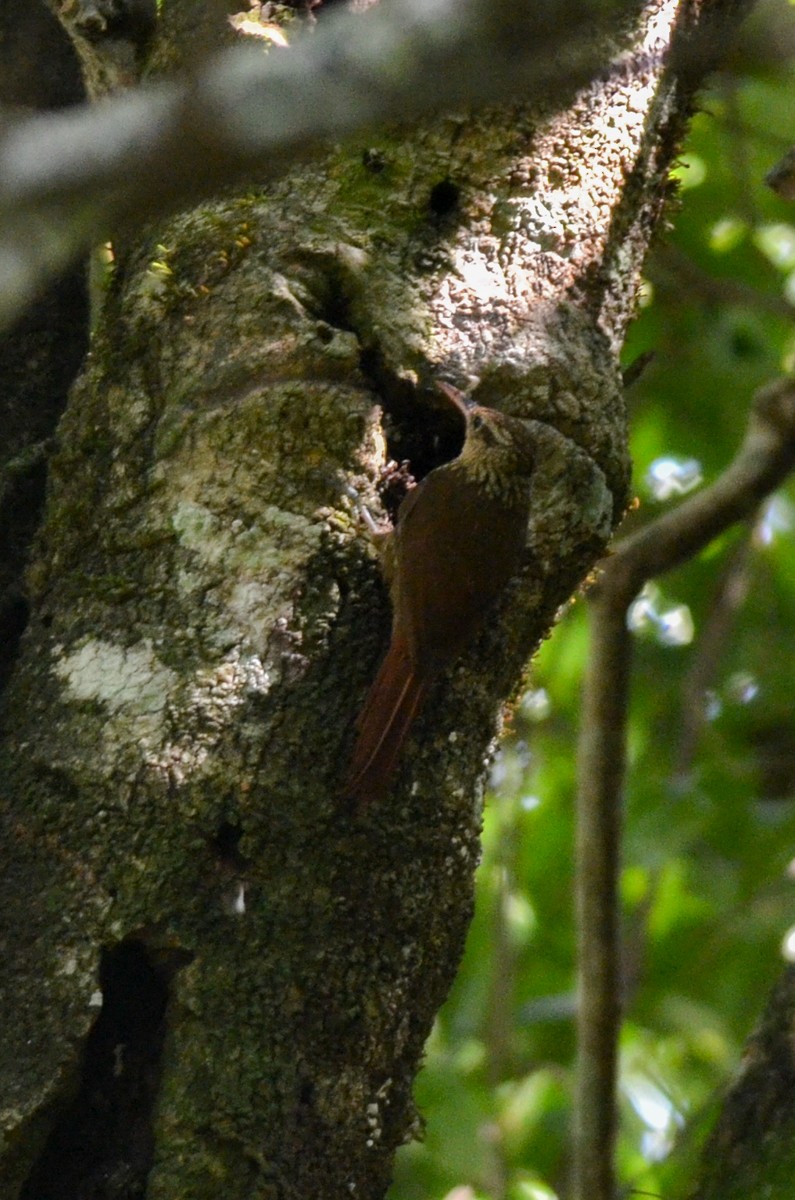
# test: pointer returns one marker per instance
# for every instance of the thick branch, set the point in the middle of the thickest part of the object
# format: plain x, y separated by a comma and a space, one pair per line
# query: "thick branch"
69, 179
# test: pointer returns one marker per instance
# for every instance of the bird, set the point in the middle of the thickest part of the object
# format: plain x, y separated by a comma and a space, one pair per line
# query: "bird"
458, 539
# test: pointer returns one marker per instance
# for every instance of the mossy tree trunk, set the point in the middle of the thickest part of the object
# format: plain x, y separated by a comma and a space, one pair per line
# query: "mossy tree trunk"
217, 979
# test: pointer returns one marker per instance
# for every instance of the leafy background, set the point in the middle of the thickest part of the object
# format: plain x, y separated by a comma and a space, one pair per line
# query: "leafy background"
708, 882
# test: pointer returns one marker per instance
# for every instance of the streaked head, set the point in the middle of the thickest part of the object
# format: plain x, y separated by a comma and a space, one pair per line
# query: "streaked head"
503, 443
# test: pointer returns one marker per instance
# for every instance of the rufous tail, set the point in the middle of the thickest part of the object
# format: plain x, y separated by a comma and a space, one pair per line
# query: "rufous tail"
383, 725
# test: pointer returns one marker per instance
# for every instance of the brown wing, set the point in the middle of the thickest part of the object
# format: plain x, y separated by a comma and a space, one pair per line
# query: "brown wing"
455, 550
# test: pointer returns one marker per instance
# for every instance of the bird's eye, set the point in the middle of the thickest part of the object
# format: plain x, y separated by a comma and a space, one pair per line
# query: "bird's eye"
484, 429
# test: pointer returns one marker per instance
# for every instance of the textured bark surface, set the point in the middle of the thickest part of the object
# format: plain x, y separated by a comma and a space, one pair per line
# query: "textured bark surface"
218, 980
751, 1151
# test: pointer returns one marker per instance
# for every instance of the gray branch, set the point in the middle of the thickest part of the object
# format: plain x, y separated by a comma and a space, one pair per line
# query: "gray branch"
85, 174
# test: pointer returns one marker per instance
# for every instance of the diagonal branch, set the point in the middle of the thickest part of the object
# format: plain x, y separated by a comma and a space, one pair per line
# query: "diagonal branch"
764, 460
727, 600
81, 175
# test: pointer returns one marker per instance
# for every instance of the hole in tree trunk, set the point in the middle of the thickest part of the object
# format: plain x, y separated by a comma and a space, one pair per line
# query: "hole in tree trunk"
101, 1145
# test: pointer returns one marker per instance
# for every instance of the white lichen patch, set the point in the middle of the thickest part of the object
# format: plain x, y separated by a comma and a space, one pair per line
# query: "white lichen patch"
267, 549
206, 713
218, 690
199, 529
127, 679
243, 570
249, 610
143, 703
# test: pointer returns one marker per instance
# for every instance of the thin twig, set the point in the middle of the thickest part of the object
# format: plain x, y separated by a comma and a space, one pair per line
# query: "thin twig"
729, 594
765, 458
673, 267
737, 152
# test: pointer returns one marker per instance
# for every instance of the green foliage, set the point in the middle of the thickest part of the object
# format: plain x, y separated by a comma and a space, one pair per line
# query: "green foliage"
710, 837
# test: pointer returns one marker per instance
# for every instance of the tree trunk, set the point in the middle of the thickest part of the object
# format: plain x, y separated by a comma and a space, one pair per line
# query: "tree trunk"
217, 979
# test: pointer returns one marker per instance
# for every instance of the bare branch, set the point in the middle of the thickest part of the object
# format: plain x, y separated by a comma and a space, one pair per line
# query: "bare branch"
763, 461
671, 267
781, 177
600, 773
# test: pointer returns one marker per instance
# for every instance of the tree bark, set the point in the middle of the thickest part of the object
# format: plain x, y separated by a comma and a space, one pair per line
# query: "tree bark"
217, 978
751, 1151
